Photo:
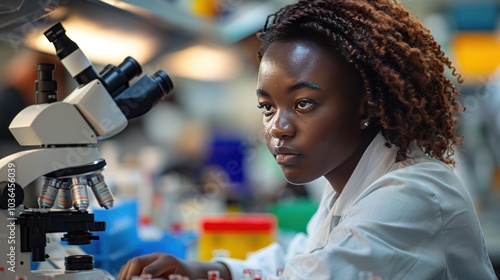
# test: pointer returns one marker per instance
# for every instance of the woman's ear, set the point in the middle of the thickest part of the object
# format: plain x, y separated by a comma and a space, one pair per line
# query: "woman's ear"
364, 111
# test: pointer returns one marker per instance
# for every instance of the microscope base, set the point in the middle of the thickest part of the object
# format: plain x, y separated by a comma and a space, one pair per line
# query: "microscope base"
15, 264
94, 274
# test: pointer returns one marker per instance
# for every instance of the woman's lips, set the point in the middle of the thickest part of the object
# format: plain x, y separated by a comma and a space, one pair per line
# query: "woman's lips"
287, 159
286, 155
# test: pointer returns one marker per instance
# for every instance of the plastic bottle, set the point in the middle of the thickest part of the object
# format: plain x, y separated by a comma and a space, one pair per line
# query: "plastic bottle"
247, 274
257, 274
213, 275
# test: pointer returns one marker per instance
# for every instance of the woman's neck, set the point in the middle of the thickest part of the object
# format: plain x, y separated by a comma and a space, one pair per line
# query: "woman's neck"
339, 176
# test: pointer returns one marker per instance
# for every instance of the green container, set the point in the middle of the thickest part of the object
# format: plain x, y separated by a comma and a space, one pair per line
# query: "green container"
294, 214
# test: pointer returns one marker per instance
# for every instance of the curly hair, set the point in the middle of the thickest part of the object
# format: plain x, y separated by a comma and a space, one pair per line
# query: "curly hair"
400, 63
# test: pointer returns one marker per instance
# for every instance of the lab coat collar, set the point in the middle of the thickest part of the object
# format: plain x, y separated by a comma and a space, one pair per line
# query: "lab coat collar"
375, 162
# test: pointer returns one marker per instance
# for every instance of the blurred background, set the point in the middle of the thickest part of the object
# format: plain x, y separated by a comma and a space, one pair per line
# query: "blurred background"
200, 152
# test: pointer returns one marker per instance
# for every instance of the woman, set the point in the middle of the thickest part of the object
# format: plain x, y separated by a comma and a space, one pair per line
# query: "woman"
355, 91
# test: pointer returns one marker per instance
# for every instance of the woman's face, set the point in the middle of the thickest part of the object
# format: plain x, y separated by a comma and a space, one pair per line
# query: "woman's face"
312, 103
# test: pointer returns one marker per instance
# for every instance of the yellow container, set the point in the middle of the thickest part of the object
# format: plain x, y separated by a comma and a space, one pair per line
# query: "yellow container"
238, 234
205, 8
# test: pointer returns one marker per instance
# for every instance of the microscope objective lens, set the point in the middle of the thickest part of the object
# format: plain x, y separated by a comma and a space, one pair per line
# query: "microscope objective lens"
64, 198
101, 191
78, 186
49, 192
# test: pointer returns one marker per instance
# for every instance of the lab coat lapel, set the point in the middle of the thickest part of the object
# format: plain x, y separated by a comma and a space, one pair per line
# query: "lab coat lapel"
375, 162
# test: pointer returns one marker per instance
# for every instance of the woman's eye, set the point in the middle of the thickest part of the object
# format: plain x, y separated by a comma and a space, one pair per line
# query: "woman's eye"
266, 108
304, 104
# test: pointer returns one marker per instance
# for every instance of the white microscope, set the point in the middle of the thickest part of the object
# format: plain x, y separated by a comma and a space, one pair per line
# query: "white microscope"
64, 136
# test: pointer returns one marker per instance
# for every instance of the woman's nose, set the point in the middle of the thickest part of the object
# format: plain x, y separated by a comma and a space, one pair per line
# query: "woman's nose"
281, 125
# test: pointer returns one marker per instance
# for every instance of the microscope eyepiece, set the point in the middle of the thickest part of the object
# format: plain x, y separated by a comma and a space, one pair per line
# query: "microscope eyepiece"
45, 85
116, 78
45, 71
130, 67
57, 35
73, 59
163, 81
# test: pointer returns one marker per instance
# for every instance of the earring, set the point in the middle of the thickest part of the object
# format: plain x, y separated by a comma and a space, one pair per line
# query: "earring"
365, 124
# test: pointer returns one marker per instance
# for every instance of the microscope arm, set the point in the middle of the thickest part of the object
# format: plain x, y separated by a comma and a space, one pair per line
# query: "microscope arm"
29, 165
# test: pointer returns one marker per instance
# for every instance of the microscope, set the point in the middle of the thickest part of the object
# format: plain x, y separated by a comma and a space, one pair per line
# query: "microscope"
64, 155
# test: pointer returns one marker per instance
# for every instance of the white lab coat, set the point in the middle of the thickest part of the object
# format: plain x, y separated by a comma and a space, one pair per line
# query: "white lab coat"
397, 221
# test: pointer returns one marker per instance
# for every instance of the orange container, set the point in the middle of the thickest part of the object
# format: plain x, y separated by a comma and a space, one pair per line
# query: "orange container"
238, 234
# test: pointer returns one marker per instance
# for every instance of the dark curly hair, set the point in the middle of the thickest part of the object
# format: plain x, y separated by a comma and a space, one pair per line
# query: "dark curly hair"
400, 63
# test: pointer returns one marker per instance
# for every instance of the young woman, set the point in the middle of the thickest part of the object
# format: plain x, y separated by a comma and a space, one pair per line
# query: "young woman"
355, 91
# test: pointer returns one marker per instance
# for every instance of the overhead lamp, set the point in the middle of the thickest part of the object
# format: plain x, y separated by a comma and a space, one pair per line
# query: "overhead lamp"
204, 63
102, 44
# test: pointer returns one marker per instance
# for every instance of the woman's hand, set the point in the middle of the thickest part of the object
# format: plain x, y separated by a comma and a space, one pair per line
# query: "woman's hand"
157, 264
161, 265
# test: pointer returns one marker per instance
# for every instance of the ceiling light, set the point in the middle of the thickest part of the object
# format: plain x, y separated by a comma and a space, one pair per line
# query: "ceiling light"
102, 45
205, 63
